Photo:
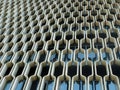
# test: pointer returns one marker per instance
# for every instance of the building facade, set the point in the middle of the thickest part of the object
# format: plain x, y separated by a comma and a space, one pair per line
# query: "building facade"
59, 44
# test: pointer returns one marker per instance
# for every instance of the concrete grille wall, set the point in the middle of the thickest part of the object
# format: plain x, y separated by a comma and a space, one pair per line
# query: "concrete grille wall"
59, 45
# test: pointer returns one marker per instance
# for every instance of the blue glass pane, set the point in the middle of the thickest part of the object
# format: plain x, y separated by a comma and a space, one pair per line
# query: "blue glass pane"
67, 57
19, 58
106, 56
64, 85
8, 57
92, 56
54, 57
20, 85
79, 85
31, 57
79, 56
49, 85
95, 85
111, 85
7, 86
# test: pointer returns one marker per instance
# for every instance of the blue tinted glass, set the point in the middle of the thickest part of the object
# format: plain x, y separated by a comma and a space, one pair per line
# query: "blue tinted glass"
79, 85
8, 57
79, 56
19, 57
31, 57
92, 56
20, 85
54, 57
49, 85
7, 86
95, 85
111, 85
64, 85
106, 56
67, 57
